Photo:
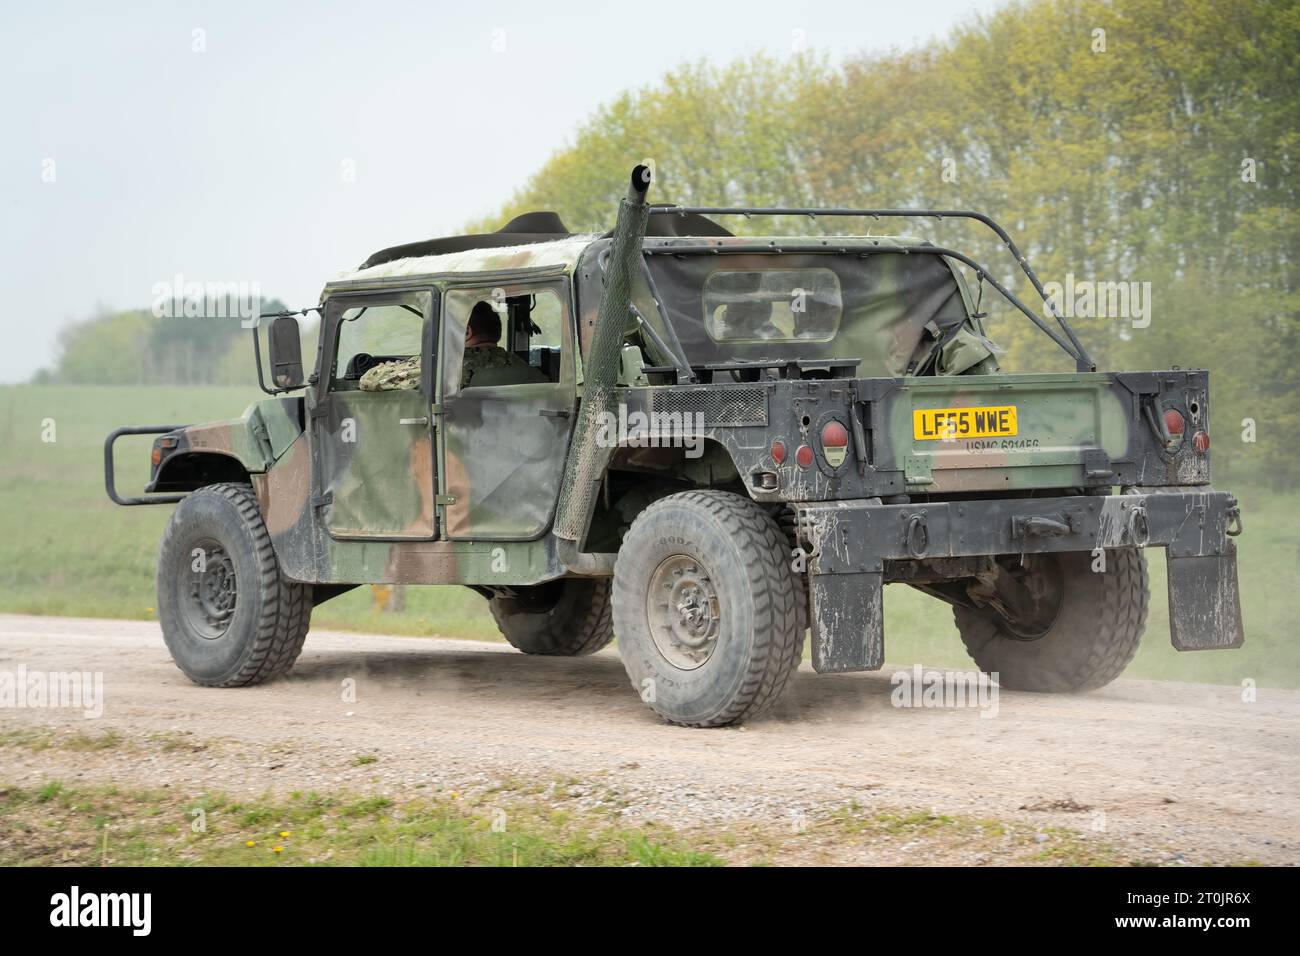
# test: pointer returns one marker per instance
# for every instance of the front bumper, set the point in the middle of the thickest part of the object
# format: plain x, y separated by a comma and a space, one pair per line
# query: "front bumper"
849, 542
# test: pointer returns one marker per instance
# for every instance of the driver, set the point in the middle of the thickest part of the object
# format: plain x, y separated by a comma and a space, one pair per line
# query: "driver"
482, 335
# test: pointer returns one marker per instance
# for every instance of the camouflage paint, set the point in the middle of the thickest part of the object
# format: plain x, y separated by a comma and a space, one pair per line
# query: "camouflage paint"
253, 441
1081, 431
562, 254
490, 495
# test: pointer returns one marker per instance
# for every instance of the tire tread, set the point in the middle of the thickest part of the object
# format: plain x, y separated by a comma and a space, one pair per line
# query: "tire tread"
778, 611
286, 605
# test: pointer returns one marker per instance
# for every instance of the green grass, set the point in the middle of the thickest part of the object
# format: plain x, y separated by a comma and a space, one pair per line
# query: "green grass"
104, 826
529, 825
65, 549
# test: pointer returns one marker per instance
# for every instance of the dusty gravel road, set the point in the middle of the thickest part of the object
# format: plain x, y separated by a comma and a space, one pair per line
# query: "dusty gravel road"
1185, 769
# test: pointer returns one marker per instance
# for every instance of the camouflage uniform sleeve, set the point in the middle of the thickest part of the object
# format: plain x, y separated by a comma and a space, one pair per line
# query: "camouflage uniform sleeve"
392, 375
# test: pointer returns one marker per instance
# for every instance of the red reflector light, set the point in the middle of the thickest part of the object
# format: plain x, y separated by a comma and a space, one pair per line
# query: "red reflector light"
804, 456
835, 435
1174, 421
778, 451
1201, 442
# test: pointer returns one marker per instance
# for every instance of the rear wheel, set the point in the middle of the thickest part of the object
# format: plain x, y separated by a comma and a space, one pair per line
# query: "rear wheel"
707, 608
1054, 624
228, 616
563, 618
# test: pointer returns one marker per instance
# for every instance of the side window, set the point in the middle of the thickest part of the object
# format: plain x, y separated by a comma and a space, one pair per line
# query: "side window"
384, 334
548, 317
545, 328
516, 335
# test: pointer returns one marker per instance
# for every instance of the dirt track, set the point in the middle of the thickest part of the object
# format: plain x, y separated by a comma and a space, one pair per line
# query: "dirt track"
1185, 768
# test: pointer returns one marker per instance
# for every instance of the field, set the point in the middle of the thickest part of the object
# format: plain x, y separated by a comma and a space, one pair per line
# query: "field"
65, 549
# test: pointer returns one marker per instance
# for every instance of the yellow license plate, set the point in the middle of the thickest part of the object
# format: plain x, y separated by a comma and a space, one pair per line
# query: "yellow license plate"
954, 424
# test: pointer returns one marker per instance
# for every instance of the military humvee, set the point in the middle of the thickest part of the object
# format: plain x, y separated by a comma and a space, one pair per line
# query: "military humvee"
707, 445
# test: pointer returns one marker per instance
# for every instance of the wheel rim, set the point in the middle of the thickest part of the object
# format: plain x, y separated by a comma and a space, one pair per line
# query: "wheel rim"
683, 612
208, 592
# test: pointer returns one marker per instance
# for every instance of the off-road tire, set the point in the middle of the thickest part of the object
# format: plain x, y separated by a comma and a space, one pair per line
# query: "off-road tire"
573, 622
760, 611
271, 615
1092, 640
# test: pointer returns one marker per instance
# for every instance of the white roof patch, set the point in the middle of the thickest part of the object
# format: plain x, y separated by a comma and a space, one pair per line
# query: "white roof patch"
562, 252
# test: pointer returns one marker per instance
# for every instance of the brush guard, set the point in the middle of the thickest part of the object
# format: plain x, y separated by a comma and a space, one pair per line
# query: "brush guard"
109, 484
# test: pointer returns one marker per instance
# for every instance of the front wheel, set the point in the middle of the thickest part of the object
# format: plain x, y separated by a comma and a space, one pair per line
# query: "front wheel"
229, 617
707, 608
1055, 624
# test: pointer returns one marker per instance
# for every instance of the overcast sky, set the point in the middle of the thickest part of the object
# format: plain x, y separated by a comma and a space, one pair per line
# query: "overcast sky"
214, 139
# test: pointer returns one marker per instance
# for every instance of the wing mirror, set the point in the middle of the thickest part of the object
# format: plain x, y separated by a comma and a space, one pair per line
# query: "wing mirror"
286, 353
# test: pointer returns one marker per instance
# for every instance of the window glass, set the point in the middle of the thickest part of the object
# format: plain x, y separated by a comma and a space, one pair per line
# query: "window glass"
547, 315
772, 305
528, 349
377, 333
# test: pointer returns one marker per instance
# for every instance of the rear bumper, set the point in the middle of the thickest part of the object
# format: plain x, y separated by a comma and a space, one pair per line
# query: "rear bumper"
848, 543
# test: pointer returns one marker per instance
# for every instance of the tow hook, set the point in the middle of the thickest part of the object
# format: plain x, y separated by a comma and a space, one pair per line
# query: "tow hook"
917, 536
1139, 531
1232, 521
1040, 526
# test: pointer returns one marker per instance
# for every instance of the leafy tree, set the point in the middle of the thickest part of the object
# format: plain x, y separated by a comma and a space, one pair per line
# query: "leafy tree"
1147, 141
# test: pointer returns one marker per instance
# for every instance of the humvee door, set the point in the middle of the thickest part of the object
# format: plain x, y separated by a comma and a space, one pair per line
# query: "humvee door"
373, 417
506, 433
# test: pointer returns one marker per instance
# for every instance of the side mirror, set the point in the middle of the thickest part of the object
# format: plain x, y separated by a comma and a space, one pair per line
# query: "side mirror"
286, 353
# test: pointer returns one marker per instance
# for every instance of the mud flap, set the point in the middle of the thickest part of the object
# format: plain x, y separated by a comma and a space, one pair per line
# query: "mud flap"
848, 621
1204, 601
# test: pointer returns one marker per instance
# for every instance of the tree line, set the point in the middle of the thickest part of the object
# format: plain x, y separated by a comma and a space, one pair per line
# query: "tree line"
136, 347
1141, 152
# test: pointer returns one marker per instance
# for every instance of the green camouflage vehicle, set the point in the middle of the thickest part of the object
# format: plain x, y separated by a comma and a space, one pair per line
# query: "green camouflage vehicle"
706, 445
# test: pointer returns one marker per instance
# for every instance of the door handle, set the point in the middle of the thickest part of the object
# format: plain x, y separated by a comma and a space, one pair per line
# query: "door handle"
422, 420
554, 412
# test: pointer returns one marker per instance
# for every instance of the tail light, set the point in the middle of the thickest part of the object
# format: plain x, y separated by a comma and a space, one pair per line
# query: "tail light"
1201, 442
804, 457
835, 443
1174, 422
778, 451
